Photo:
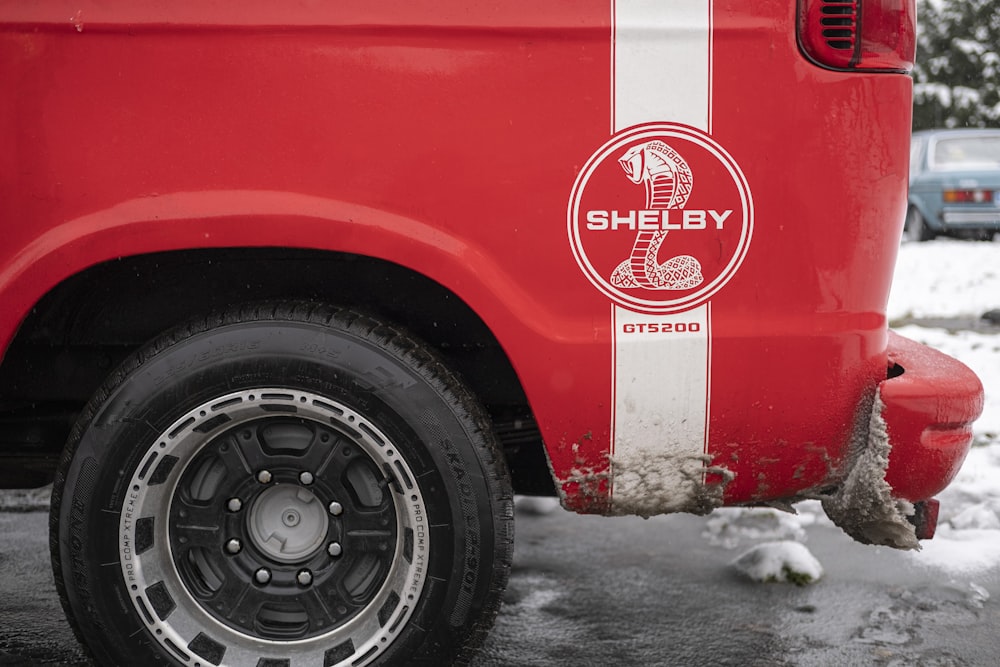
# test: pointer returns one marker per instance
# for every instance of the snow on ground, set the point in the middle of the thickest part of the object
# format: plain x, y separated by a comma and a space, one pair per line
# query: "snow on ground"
729, 527
940, 280
784, 561
945, 278
960, 278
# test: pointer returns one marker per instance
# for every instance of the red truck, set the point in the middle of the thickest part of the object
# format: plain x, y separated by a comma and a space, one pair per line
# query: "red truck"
296, 296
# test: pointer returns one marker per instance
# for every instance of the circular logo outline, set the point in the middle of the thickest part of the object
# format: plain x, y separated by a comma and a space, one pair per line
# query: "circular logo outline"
648, 132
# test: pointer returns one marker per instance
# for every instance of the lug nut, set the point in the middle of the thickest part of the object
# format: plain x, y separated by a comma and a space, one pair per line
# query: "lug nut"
234, 546
264, 477
334, 549
234, 505
336, 509
304, 577
306, 477
262, 576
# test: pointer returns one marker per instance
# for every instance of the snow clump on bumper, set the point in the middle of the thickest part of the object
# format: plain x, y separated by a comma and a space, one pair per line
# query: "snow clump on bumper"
863, 506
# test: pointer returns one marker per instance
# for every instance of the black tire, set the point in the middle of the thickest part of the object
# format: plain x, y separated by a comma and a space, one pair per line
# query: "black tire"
183, 481
916, 228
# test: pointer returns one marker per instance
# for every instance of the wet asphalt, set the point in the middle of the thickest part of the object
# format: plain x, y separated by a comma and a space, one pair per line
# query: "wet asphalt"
627, 591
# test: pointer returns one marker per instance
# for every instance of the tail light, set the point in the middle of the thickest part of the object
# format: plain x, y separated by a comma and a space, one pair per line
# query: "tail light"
859, 34
967, 196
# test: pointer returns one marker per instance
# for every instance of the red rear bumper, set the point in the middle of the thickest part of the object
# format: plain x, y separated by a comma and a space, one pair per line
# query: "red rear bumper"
930, 402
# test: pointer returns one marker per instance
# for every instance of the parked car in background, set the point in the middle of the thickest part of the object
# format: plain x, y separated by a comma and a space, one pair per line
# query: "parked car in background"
954, 184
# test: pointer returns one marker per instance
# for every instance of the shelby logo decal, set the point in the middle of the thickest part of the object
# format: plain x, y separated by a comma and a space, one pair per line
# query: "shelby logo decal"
651, 220
701, 230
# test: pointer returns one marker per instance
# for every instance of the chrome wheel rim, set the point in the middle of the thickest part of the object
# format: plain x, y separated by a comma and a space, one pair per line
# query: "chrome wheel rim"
294, 533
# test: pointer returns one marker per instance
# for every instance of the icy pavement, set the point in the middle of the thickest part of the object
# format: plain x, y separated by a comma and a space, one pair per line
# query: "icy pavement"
588, 590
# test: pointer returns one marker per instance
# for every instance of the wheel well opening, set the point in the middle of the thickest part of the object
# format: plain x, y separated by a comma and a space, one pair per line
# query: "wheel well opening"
82, 329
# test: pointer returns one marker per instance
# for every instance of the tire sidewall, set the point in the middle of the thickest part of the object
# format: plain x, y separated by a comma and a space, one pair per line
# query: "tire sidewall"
915, 228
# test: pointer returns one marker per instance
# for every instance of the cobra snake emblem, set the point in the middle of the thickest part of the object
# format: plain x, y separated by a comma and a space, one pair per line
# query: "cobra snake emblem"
668, 185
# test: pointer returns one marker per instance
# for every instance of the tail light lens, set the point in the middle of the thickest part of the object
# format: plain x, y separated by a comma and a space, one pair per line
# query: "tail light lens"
967, 196
876, 35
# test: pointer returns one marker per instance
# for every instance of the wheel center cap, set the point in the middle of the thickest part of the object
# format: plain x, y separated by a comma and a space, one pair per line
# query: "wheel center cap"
288, 523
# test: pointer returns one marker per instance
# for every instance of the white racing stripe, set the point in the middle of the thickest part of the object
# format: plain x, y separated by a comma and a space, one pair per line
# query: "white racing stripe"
661, 71
661, 62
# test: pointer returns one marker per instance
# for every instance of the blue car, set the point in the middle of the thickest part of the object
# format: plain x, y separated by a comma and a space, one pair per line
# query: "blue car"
954, 184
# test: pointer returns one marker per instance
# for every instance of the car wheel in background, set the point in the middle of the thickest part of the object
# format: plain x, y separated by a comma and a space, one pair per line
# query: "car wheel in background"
915, 228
